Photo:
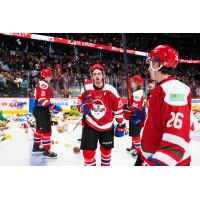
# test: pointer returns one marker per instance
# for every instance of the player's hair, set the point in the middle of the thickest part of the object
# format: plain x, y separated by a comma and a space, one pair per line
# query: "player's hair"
168, 71
140, 86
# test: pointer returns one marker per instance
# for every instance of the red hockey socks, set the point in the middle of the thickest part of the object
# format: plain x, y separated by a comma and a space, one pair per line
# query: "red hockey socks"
46, 140
136, 142
89, 157
105, 156
37, 137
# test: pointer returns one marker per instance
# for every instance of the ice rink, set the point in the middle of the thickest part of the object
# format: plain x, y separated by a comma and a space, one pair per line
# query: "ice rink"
17, 150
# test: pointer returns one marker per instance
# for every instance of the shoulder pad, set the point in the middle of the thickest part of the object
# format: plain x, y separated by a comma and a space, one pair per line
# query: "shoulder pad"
88, 86
176, 93
111, 89
137, 95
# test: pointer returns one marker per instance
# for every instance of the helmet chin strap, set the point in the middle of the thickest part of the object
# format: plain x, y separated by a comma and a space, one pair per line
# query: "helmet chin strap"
155, 70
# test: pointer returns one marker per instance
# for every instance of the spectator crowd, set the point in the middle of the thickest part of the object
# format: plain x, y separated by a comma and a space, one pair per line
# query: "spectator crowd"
22, 60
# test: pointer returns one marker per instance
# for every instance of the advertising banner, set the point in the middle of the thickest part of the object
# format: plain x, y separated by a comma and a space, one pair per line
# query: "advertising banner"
14, 105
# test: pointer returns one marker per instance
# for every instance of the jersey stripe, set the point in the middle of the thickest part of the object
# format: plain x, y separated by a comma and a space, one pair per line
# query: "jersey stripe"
164, 158
43, 101
119, 116
177, 152
117, 112
101, 127
175, 140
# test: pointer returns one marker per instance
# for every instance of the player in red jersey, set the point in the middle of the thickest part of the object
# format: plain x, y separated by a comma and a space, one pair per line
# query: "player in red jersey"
166, 133
135, 114
41, 112
100, 104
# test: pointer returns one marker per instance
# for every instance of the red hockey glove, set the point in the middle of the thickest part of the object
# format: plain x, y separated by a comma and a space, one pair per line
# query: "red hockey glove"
129, 112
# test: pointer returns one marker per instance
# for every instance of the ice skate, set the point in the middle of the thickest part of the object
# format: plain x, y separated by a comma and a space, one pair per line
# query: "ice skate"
49, 154
37, 150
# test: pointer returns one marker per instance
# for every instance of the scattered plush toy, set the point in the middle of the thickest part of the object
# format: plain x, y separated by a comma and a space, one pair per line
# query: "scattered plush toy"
62, 123
32, 124
4, 136
7, 136
54, 142
24, 125
2, 118
76, 150
67, 145
54, 122
4, 125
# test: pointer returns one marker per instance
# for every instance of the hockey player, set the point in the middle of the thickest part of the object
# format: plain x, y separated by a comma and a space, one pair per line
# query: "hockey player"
100, 104
135, 114
166, 133
41, 112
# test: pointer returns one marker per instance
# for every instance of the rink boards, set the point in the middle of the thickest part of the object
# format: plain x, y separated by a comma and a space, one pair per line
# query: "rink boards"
25, 105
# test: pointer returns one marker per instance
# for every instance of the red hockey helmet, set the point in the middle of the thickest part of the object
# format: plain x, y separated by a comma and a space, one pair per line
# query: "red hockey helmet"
97, 66
165, 55
45, 73
138, 79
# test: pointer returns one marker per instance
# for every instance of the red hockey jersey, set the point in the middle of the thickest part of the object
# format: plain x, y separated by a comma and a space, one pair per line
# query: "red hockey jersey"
107, 105
138, 99
43, 93
166, 132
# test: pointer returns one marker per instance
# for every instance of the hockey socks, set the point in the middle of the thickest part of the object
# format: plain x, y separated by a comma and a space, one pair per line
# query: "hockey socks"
46, 142
105, 156
37, 137
89, 157
136, 142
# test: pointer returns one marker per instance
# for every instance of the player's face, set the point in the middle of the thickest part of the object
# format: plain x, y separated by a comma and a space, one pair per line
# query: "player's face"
151, 69
97, 77
134, 85
48, 79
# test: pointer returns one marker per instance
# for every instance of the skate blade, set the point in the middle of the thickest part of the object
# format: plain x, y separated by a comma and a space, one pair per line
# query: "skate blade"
46, 157
134, 155
36, 153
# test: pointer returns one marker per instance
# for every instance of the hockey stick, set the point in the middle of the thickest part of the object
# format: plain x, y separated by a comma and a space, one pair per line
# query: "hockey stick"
75, 126
77, 61
128, 84
2, 137
82, 80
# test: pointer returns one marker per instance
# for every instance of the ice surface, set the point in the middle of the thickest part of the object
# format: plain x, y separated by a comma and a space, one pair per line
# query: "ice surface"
17, 150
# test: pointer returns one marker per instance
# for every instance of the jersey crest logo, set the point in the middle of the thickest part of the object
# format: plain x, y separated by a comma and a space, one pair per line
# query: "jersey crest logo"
43, 86
98, 110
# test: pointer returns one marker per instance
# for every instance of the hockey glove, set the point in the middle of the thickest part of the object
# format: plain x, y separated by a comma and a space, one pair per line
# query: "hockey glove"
127, 112
131, 111
55, 108
120, 130
86, 108
139, 116
133, 114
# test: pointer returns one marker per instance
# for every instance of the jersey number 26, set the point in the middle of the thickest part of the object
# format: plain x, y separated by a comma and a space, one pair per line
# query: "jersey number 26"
175, 120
